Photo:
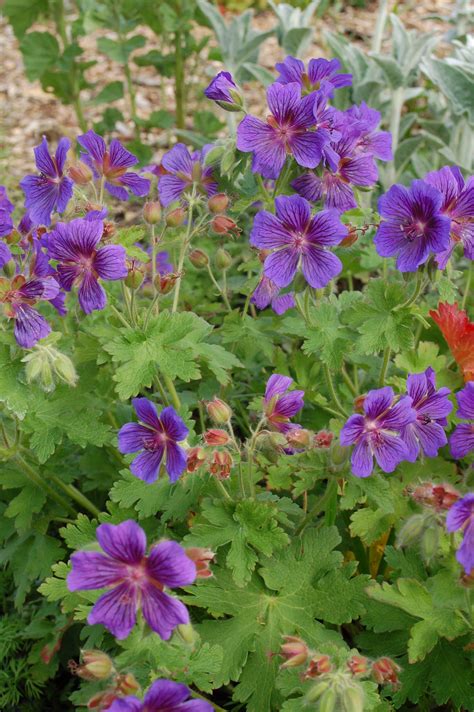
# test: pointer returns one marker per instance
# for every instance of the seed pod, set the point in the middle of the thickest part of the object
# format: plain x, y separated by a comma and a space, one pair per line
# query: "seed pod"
187, 633
134, 278
218, 203
328, 701
80, 173
430, 542
9, 268
411, 530
218, 411
64, 369
317, 690
353, 699
223, 259
96, 665
175, 218
152, 212
216, 437
198, 258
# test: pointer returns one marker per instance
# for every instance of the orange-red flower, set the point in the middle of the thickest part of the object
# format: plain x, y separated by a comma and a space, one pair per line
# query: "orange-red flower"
458, 331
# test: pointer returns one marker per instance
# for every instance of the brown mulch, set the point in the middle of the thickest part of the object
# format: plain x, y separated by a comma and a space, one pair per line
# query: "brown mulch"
27, 112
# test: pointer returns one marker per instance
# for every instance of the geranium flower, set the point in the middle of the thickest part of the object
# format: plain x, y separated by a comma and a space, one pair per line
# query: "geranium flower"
461, 516
431, 407
224, 91
134, 579
458, 331
81, 261
267, 293
184, 172
458, 205
280, 404
322, 74
158, 437
461, 441
298, 238
377, 432
6, 223
412, 225
19, 296
284, 132
52, 189
162, 696
112, 165
363, 121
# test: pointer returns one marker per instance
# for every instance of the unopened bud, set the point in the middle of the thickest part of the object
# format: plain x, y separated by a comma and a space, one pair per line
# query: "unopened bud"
216, 437
164, 283
9, 268
441, 497
176, 217
195, 458
359, 403
350, 238
221, 464
198, 258
202, 558
358, 665
429, 544
64, 369
262, 255
317, 690
294, 650
96, 665
218, 411
222, 259
298, 437
385, 670
134, 278
411, 530
187, 633
318, 665
323, 439
102, 700
218, 203
152, 212
328, 701
338, 455
352, 699
224, 225
126, 684
80, 173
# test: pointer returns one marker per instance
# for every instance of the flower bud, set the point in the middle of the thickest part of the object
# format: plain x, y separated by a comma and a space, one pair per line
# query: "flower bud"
328, 701
196, 457
350, 238
318, 665
96, 665
108, 231
215, 437
102, 700
359, 403
202, 558
134, 278
411, 530
223, 259
221, 464
9, 268
317, 690
152, 212
187, 633
224, 225
441, 497
385, 670
358, 665
64, 369
294, 650
165, 283
352, 699
262, 255
218, 203
218, 411
299, 437
429, 545
198, 258
80, 173
40, 368
338, 455
176, 217
323, 439
126, 684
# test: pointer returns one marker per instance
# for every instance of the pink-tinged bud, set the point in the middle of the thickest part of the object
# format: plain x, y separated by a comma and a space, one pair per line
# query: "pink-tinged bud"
323, 439
359, 403
440, 497
221, 464
215, 437
96, 665
223, 225
198, 259
222, 259
202, 558
299, 437
102, 700
385, 670
108, 231
80, 173
196, 457
176, 217
294, 650
134, 278
218, 411
350, 238
165, 283
152, 212
318, 665
218, 203
126, 684
358, 665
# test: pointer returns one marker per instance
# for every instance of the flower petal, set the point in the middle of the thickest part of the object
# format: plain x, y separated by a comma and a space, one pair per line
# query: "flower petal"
162, 612
281, 266
147, 413
175, 461
131, 437
147, 465
30, 326
168, 564
125, 542
91, 570
109, 262
362, 461
294, 212
319, 266
94, 144
116, 610
352, 430
91, 294
389, 450
268, 231
173, 425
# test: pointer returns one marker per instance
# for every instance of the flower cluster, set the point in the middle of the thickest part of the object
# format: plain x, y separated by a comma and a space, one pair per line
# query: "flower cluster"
162, 696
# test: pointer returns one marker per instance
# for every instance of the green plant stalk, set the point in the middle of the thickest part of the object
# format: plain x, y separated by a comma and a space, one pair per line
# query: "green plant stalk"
332, 391
182, 255
133, 101
314, 511
416, 292
348, 382
172, 391
222, 489
77, 496
60, 21
380, 26
221, 290
385, 363
179, 81
40, 482
467, 287
394, 128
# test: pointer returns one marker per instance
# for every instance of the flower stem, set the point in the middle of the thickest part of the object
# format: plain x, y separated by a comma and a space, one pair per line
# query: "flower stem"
220, 289
263, 190
172, 391
386, 360
314, 511
36, 478
77, 496
348, 382
468, 287
182, 255
379, 26
416, 292
222, 489
332, 391
398, 96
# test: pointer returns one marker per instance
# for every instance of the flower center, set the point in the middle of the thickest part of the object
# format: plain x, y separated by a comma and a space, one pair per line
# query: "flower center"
299, 240
414, 230
155, 441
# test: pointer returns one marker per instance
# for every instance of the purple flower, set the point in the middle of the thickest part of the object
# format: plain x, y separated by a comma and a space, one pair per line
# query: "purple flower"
461, 516
5, 204
6, 223
377, 432
134, 579
19, 297
267, 292
461, 441
363, 121
163, 696
458, 205
225, 91
82, 261
184, 172
431, 407
5, 254
52, 189
413, 226
281, 405
112, 165
284, 132
322, 74
156, 438
298, 238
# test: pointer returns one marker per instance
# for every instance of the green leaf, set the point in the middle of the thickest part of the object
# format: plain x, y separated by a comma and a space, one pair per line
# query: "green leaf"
455, 83
30, 559
13, 393
426, 354
24, 506
369, 525
23, 13
40, 52
391, 69
80, 534
111, 92
120, 51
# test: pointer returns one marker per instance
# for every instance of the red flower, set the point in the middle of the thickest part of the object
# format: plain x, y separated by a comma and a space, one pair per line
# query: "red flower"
458, 331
